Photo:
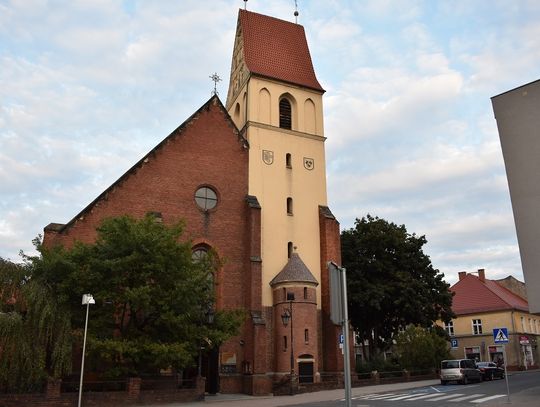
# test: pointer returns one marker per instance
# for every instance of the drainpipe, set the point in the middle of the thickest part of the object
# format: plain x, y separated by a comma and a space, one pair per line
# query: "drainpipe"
515, 340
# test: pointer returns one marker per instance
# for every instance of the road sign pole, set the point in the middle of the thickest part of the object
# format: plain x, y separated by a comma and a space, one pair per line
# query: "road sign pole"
346, 356
506, 374
339, 315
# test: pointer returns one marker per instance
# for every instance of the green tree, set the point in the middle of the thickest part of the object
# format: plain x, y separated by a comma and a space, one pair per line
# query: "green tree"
151, 299
391, 281
35, 334
421, 348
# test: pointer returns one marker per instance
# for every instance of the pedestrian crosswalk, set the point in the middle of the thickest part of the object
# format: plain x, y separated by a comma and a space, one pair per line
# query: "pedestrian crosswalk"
430, 397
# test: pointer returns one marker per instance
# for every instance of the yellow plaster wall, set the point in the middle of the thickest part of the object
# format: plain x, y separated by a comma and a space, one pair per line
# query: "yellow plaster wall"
273, 184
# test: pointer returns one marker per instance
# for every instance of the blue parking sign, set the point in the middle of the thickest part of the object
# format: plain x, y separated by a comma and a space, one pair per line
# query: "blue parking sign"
454, 343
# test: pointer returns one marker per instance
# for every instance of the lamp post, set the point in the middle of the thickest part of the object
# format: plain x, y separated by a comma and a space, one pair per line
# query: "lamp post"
285, 318
87, 299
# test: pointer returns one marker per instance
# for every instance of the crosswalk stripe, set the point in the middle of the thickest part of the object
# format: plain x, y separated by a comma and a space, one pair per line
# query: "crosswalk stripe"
425, 396
454, 398
470, 396
403, 397
496, 396
377, 396
447, 396
387, 396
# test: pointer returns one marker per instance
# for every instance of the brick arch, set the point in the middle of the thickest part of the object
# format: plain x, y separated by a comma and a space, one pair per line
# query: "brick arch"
218, 278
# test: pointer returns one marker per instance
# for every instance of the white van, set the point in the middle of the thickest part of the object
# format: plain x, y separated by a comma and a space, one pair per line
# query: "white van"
459, 370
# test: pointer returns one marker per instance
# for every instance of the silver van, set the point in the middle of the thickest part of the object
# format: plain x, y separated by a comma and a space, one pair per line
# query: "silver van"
459, 370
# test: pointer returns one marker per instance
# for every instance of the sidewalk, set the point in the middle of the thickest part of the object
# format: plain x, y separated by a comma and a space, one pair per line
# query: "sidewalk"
241, 400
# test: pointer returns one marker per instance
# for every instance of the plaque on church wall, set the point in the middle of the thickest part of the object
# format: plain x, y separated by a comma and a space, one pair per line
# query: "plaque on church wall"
268, 157
309, 163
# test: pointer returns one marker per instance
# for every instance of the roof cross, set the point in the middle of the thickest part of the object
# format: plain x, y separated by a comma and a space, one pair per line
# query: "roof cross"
215, 78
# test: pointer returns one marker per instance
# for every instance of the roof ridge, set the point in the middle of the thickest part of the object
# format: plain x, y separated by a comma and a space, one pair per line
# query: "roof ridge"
508, 292
125, 175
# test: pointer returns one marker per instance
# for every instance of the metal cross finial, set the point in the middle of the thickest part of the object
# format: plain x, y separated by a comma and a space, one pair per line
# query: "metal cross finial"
296, 12
215, 78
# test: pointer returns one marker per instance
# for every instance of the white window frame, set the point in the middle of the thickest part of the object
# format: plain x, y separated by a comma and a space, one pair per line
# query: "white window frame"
449, 328
477, 326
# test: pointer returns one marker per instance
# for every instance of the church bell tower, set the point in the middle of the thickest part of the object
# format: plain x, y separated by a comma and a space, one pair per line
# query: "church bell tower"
275, 99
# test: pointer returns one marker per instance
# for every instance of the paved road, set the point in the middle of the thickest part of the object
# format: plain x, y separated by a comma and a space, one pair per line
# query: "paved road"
524, 392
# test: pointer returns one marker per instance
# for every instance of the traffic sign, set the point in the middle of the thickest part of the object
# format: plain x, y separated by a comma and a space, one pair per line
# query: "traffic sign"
341, 338
454, 343
500, 335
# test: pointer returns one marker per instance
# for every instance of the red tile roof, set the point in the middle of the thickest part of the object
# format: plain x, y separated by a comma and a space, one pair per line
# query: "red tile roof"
473, 295
277, 49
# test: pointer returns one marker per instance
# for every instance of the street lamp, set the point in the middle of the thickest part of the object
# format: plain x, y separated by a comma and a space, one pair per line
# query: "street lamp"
285, 318
87, 299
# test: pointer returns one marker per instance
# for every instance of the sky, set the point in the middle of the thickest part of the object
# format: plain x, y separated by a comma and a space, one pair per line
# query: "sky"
89, 87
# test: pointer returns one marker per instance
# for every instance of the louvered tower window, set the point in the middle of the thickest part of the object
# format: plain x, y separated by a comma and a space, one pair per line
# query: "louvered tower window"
285, 119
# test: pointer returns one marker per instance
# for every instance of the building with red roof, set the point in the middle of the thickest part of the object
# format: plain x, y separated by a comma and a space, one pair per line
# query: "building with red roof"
482, 306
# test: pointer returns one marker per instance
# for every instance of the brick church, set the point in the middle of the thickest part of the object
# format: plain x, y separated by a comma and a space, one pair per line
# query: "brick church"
249, 179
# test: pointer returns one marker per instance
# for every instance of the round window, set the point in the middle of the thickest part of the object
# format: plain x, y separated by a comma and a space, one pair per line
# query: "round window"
206, 198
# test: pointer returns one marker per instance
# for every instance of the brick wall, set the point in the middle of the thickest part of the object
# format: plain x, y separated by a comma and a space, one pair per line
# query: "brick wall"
205, 150
330, 251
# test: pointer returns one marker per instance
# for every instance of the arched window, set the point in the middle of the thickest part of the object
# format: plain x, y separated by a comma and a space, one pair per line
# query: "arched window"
237, 114
288, 160
285, 114
199, 254
289, 206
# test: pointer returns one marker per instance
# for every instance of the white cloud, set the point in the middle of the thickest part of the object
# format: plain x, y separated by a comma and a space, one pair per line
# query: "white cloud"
87, 87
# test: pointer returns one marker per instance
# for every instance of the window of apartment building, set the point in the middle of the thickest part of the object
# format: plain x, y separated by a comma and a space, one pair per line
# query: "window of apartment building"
449, 328
306, 335
477, 327
289, 249
284, 342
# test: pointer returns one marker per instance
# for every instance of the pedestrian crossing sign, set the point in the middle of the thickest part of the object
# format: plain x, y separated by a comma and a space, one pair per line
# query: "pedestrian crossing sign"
500, 335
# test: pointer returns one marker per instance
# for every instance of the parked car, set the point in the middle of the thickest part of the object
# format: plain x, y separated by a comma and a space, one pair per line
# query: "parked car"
459, 370
490, 370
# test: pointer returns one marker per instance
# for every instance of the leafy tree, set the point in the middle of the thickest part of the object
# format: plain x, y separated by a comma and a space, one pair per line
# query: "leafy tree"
421, 348
391, 281
151, 300
35, 335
